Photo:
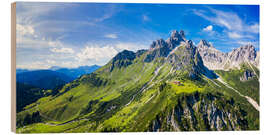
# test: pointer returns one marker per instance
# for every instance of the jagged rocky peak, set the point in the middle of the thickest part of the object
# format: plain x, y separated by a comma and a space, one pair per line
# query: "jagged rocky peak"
158, 44
189, 44
161, 48
178, 35
175, 39
247, 75
243, 53
212, 58
140, 52
122, 59
125, 54
204, 43
187, 58
217, 60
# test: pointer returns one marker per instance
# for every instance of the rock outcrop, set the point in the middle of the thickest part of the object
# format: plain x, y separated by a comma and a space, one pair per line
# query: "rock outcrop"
187, 58
161, 48
247, 75
212, 58
217, 60
199, 112
122, 59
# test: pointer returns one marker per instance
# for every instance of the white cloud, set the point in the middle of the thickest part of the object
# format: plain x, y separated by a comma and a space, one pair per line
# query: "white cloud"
231, 22
104, 17
247, 43
208, 28
24, 30
96, 53
145, 18
228, 20
130, 46
234, 35
62, 50
255, 28
112, 36
36, 42
51, 62
27, 12
33, 65
69, 64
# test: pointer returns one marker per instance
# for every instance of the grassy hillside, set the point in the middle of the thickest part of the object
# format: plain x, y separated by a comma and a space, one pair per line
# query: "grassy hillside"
128, 95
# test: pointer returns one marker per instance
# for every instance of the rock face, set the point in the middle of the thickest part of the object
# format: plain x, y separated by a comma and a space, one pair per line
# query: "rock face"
158, 48
122, 59
201, 112
187, 58
175, 39
140, 52
242, 54
216, 60
257, 60
247, 75
161, 48
212, 58
180, 53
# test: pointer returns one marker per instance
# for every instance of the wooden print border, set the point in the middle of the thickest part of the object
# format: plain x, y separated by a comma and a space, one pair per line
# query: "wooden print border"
13, 67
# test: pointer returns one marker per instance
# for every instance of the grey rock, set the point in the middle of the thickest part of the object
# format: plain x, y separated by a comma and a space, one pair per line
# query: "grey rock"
161, 48
122, 59
217, 60
201, 112
187, 58
247, 75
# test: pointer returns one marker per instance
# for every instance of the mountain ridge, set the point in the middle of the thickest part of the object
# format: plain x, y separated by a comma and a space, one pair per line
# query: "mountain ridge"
217, 60
165, 88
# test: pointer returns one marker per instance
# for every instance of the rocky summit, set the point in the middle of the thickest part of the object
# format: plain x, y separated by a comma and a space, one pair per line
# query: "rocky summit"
215, 59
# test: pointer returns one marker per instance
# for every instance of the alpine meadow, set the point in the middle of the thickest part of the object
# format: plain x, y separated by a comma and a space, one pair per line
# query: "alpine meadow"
105, 67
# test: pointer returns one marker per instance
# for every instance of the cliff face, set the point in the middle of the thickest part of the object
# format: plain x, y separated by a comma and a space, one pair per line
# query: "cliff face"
201, 112
161, 48
187, 59
217, 60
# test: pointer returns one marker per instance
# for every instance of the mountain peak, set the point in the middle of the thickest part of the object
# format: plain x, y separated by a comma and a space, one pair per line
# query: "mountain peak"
123, 59
189, 44
158, 44
248, 47
246, 52
216, 60
125, 54
175, 39
204, 43
187, 58
178, 35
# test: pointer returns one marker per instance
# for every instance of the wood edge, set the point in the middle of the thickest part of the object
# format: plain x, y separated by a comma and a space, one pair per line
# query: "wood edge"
13, 67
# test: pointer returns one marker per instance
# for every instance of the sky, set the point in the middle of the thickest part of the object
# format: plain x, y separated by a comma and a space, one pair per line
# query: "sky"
78, 34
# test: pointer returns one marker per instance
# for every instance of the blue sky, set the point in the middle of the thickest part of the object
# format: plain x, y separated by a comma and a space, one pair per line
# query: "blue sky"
77, 34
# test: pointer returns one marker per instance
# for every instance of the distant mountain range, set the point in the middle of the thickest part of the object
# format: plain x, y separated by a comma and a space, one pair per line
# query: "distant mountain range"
44, 79
34, 84
53, 77
173, 86
76, 72
215, 59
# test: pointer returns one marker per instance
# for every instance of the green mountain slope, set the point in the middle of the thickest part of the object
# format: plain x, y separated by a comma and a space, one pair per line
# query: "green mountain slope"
144, 91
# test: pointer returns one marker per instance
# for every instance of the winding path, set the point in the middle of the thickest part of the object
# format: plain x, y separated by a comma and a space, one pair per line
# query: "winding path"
249, 99
145, 86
